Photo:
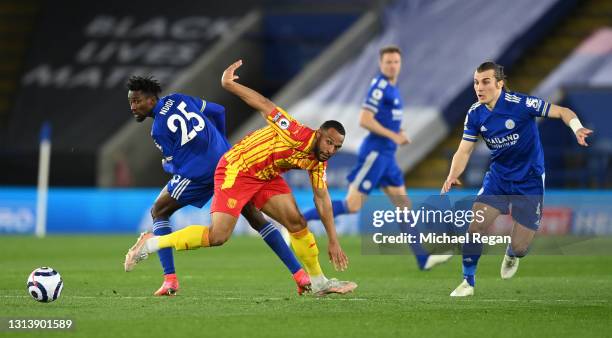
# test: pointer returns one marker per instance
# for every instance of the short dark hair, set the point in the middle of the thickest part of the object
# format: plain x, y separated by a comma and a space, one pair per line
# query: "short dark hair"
333, 124
389, 49
146, 84
498, 71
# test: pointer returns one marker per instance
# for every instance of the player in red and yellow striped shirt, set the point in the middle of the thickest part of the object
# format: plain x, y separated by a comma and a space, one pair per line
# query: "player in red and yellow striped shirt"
250, 172
251, 169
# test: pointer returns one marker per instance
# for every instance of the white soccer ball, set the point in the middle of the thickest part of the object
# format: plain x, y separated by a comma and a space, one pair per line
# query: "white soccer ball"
45, 284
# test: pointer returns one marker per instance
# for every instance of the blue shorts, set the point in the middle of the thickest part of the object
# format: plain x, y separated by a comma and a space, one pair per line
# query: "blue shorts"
185, 191
526, 198
375, 170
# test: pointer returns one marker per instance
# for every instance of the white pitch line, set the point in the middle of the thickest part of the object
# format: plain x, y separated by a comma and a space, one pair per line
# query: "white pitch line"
471, 299
193, 298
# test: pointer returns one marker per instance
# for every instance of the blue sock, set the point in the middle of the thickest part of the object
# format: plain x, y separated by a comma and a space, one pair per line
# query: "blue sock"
275, 240
511, 253
419, 252
338, 206
161, 227
471, 255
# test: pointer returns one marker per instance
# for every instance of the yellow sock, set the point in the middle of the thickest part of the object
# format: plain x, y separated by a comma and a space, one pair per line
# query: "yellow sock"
305, 247
191, 237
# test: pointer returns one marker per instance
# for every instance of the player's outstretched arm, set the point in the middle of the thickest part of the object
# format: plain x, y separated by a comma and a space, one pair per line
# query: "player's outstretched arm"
324, 207
571, 120
460, 160
248, 95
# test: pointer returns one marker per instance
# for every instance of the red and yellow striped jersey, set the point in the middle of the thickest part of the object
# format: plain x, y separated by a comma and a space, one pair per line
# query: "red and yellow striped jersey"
268, 152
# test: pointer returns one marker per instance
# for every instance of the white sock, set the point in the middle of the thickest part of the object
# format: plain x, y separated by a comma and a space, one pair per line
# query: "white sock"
318, 281
152, 245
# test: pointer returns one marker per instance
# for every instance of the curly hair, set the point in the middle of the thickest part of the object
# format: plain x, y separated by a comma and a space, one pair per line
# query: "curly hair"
146, 84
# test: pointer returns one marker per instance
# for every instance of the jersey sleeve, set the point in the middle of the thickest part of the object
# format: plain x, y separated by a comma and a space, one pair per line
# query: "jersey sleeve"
470, 127
216, 113
291, 131
536, 106
318, 176
375, 95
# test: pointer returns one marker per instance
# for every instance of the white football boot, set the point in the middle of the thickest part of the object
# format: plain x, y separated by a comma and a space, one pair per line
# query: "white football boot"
463, 290
333, 286
436, 259
137, 252
509, 267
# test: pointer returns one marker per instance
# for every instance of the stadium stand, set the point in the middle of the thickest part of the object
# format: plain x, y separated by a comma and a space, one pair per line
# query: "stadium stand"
436, 78
77, 84
16, 24
535, 64
582, 82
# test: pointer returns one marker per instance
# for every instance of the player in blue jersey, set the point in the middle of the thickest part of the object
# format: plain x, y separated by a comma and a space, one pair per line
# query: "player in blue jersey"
507, 123
190, 133
381, 115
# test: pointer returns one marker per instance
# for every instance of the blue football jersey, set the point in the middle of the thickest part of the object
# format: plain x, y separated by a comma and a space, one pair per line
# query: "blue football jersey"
385, 102
184, 130
511, 133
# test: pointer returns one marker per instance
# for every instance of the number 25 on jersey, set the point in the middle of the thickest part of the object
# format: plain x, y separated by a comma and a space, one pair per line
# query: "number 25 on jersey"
186, 135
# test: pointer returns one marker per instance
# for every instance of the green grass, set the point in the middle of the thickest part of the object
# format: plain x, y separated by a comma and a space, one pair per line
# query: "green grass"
241, 289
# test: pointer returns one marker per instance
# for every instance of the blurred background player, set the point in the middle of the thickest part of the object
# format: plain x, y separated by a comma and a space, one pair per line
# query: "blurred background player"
506, 121
250, 172
376, 167
190, 133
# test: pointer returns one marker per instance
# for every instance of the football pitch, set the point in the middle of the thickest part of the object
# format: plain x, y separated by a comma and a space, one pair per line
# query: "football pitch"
241, 289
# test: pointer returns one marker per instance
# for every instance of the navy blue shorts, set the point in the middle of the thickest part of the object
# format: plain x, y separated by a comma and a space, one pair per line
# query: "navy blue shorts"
526, 198
375, 170
185, 191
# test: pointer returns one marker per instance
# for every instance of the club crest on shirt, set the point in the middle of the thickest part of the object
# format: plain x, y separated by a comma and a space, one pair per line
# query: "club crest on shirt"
283, 123
231, 203
510, 124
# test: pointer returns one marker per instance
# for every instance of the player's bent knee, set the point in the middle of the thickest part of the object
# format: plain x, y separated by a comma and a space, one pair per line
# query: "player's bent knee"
160, 211
354, 201
478, 227
353, 206
218, 238
296, 223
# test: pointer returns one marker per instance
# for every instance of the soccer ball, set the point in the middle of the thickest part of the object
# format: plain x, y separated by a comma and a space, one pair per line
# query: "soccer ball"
45, 284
